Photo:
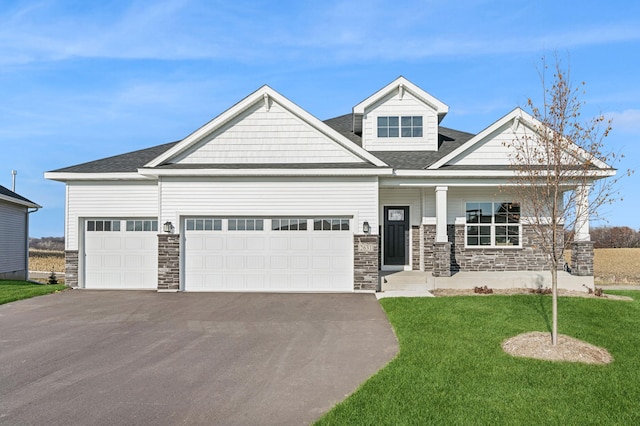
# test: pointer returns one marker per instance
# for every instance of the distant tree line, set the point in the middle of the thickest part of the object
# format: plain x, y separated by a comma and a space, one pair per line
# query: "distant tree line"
615, 237
47, 243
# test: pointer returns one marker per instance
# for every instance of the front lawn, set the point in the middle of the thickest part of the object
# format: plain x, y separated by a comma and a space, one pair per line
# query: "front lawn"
452, 370
10, 291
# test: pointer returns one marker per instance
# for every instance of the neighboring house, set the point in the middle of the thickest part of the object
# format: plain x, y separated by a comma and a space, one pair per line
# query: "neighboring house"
14, 234
266, 197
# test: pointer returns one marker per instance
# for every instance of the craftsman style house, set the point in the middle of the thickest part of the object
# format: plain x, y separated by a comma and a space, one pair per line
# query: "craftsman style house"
266, 197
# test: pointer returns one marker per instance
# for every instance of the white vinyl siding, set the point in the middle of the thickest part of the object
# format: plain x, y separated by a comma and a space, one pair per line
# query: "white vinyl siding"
13, 237
107, 199
261, 136
402, 197
408, 106
248, 197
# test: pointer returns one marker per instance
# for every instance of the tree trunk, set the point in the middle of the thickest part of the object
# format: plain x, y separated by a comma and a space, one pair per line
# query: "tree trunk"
554, 306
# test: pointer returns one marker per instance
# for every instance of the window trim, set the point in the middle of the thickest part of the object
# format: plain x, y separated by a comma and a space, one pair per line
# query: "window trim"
492, 226
400, 127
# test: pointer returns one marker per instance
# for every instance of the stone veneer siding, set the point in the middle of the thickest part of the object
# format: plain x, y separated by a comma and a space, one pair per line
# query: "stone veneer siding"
528, 258
415, 248
442, 260
71, 268
168, 262
582, 258
428, 242
365, 262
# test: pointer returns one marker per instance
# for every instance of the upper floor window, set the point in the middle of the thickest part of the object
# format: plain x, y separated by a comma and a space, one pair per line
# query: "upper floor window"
409, 126
493, 224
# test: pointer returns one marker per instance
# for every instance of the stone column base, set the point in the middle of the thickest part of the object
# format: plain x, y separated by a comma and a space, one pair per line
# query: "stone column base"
365, 262
582, 258
71, 268
168, 262
441, 259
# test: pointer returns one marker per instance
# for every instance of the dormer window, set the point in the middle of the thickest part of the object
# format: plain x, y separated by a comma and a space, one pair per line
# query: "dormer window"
400, 126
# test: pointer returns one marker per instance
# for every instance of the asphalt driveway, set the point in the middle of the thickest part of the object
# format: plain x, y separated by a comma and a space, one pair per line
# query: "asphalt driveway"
115, 357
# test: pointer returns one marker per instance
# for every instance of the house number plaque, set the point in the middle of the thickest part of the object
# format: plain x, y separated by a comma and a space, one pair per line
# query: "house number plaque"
365, 247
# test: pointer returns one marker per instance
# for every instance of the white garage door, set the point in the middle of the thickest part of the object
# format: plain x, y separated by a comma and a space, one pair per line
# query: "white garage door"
121, 254
268, 254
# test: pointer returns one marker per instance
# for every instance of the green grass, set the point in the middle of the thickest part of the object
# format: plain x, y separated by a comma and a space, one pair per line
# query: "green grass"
10, 291
451, 369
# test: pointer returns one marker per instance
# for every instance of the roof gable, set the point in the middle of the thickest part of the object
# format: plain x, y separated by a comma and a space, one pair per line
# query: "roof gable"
399, 85
265, 127
490, 146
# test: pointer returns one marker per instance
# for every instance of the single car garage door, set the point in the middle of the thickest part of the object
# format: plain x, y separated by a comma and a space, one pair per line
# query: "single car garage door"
121, 254
268, 254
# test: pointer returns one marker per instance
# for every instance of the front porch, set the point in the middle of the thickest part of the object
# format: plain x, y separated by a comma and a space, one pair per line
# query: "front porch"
421, 281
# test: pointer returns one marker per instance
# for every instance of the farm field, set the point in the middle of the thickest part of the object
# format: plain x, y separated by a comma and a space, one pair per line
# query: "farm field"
612, 266
46, 260
617, 266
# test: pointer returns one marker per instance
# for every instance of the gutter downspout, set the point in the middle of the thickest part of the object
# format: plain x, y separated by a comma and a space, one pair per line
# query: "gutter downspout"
26, 231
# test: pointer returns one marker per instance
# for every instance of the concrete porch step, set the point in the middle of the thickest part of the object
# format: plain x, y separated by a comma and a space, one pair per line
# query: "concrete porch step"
404, 280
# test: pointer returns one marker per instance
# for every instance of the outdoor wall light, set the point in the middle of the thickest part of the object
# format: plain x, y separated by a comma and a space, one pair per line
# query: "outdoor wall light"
366, 228
167, 227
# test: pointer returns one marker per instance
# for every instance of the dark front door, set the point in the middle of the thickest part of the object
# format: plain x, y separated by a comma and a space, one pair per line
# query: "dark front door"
396, 235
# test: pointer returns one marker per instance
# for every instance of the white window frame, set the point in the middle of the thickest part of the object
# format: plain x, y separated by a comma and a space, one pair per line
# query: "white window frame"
400, 127
492, 225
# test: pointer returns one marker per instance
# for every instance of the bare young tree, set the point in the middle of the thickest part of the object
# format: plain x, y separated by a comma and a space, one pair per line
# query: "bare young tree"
559, 163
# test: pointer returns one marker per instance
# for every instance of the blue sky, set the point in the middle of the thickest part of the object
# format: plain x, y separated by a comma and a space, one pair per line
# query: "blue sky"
84, 80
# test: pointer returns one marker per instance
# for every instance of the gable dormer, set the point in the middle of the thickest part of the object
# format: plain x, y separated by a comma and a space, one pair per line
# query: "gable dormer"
399, 117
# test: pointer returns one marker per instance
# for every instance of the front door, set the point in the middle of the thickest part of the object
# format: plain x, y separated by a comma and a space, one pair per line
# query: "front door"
396, 235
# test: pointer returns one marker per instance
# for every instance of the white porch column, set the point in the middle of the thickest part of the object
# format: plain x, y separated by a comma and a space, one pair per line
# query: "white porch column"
582, 213
441, 214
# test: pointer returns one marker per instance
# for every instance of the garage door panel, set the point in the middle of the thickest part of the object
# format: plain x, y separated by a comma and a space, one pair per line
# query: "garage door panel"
277, 243
112, 261
321, 262
299, 262
235, 243
235, 262
120, 259
213, 243
269, 259
214, 262
321, 244
300, 243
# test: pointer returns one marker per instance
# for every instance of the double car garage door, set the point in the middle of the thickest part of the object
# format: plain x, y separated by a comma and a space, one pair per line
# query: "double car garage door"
227, 254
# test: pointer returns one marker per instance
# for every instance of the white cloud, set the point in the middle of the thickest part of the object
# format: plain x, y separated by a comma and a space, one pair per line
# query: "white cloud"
345, 31
627, 121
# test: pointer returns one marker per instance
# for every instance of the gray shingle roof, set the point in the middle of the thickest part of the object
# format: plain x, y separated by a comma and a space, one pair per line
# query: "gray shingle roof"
449, 140
19, 198
128, 162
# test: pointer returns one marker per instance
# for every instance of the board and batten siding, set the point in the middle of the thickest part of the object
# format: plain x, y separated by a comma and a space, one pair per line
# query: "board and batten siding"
107, 200
13, 238
392, 105
357, 197
261, 136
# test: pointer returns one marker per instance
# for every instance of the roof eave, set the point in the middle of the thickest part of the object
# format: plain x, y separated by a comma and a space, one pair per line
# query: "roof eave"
70, 176
25, 203
155, 173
